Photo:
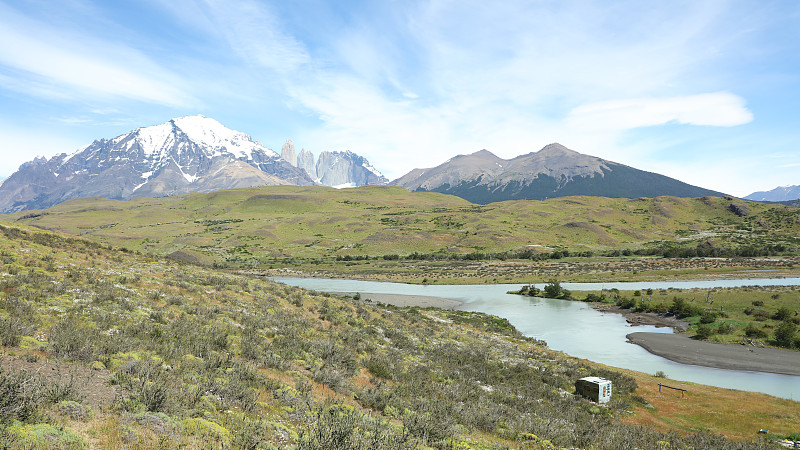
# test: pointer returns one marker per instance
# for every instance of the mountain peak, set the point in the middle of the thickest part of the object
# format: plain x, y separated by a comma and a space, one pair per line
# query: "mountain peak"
184, 154
555, 148
483, 152
553, 171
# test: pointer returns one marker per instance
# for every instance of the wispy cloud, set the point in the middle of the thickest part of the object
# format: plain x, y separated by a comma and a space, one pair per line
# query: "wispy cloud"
721, 109
66, 63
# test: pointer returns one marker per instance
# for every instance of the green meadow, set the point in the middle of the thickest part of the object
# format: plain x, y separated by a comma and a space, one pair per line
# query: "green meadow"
257, 227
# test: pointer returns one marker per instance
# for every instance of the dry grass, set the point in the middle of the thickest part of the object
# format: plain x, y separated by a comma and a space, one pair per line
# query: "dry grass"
738, 415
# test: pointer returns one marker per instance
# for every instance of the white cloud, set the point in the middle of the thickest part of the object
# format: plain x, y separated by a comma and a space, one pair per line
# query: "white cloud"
721, 109
254, 32
62, 64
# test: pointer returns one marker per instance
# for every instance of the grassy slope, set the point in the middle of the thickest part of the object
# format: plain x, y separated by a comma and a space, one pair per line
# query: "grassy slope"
250, 226
197, 358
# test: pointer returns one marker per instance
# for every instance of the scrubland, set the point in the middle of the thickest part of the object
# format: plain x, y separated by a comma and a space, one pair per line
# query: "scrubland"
104, 348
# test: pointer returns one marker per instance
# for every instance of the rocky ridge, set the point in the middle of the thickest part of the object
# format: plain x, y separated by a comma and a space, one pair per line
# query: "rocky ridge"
554, 171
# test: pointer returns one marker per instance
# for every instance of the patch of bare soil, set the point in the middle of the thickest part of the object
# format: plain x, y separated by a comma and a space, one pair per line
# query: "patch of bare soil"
92, 385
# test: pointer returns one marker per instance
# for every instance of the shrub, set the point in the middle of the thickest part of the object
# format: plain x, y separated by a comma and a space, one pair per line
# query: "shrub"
704, 332
553, 289
708, 317
70, 338
207, 431
753, 331
760, 315
783, 313
379, 367
19, 395
43, 436
784, 334
75, 410
11, 331
626, 303
681, 308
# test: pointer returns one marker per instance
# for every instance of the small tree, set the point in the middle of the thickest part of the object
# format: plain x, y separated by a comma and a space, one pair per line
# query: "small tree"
784, 334
704, 332
553, 289
783, 313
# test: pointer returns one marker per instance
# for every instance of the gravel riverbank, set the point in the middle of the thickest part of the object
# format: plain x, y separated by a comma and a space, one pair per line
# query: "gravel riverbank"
683, 349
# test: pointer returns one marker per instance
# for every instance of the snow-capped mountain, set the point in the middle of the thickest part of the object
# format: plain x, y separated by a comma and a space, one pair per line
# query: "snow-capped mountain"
187, 154
779, 194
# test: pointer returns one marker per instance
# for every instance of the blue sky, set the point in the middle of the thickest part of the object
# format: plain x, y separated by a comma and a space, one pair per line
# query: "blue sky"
707, 92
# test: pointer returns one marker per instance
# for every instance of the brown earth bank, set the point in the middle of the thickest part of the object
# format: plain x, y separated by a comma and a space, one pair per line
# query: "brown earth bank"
643, 318
422, 301
683, 349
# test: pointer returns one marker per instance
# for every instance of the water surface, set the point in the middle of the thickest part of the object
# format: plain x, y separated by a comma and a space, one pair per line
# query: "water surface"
577, 329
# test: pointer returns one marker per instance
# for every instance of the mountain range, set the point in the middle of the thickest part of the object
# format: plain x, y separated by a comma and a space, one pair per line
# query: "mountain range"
199, 154
554, 171
779, 194
187, 154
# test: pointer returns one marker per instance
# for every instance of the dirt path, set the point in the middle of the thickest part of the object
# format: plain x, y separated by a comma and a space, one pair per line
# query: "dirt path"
683, 349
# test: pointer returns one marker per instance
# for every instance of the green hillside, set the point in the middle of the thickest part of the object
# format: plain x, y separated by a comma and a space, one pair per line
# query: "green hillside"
251, 227
107, 349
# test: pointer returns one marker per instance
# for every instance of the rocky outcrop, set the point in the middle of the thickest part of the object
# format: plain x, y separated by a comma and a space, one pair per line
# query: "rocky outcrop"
288, 154
305, 161
343, 169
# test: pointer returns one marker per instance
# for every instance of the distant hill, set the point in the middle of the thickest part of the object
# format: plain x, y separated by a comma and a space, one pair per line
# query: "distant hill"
187, 154
554, 171
779, 194
243, 226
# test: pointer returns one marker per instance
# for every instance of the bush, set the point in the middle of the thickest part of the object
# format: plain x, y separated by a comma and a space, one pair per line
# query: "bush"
42, 436
681, 308
760, 315
379, 367
784, 334
19, 395
626, 303
704, 332
70, 338
724, 328
753, 331
75, 410
11, 331
783, 314
708, 317
553, 289
208, 431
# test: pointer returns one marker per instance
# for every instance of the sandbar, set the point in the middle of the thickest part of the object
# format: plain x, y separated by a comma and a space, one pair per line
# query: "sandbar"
683, 349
